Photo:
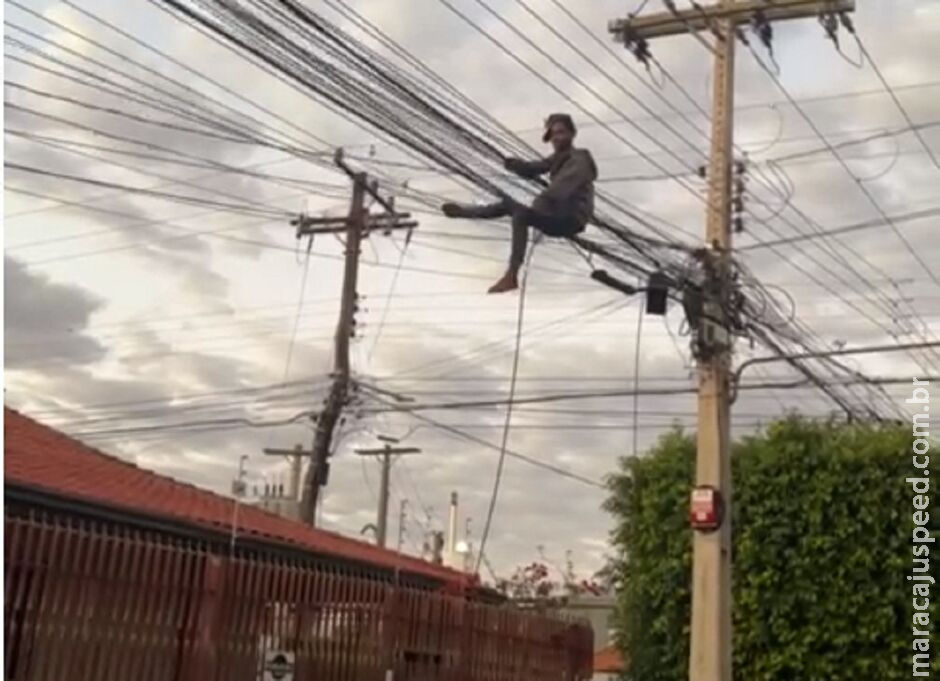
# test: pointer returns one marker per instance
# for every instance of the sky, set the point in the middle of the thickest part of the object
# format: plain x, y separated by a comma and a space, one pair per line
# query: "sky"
124, 310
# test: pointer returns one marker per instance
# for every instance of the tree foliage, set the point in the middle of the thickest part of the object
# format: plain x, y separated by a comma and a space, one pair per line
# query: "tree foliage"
822, 549
534, 583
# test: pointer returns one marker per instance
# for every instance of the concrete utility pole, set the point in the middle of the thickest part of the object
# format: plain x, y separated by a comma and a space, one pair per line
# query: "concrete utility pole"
385, 454
355, 226
711, 631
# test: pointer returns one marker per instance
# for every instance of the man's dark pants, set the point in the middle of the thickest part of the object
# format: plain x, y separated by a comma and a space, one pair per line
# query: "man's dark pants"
524, 217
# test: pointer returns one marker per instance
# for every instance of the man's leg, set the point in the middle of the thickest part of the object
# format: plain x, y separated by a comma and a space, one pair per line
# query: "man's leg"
489, 211
523, 217
520, 241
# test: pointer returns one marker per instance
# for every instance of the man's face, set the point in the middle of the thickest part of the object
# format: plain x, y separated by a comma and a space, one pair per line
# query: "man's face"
560, 136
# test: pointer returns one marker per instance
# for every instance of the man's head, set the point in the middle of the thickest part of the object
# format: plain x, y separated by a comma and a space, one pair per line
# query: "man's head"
560, 130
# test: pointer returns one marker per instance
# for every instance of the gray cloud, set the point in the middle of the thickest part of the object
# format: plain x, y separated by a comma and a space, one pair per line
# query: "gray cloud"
52, 316
169, 363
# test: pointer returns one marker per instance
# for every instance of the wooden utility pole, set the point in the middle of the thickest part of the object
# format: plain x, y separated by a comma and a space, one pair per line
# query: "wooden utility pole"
355, 226
385, 454
711, 631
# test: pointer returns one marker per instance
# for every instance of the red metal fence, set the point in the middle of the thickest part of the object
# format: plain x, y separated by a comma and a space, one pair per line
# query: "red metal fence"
93, 602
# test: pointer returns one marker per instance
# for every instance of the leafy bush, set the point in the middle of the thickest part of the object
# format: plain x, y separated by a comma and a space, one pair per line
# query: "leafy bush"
822, 549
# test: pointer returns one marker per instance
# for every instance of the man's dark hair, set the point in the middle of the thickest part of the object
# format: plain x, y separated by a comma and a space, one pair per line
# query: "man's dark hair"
562, 118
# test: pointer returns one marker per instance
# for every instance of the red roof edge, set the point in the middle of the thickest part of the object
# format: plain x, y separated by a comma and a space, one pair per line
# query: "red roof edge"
608, 661
41, 457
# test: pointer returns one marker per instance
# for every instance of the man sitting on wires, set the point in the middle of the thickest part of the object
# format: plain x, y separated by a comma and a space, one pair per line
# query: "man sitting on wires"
561, 210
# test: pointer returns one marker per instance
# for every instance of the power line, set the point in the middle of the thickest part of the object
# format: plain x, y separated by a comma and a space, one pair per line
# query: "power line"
865, 190
834, 253
858, 226
489, 445
218, 233
699, 108
178, 198
897, 102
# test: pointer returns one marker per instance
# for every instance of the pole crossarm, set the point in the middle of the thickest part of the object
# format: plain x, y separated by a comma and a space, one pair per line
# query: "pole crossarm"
383, 223
377, 220
381, 451
274, 451
702, 17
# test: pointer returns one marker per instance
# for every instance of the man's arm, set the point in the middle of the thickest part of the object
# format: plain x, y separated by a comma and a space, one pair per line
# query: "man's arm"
528, 169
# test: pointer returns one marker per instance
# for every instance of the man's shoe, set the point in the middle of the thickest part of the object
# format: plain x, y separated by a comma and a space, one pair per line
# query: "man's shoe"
457, 210
508, 282
486, 211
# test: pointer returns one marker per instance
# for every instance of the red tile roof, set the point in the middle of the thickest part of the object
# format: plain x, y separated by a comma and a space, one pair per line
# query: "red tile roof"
608, 661
40, 457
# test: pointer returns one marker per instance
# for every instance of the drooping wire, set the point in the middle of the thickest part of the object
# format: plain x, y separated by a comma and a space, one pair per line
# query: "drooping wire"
891, 92
514, 373
636, 379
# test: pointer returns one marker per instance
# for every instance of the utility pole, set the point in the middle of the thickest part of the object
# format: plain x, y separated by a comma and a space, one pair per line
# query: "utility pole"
239, 490
358, 223
296, 456
385, 454
711, 631
402, 515
436, 547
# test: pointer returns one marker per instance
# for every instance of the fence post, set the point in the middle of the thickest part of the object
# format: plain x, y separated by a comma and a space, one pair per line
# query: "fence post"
466, 640
389, 632
199, 661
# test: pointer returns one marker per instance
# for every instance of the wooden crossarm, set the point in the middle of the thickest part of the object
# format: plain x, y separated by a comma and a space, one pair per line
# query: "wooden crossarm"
685, 20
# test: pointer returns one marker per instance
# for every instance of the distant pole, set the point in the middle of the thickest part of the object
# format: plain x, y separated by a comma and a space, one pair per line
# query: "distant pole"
382, 534
402, 515
437, 548
296, 456
451, 550
238, 491
385, 454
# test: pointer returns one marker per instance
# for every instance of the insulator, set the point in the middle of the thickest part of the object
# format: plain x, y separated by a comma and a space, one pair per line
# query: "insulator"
738, 224
847, 22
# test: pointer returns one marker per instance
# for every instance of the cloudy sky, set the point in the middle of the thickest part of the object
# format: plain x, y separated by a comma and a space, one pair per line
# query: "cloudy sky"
125, 311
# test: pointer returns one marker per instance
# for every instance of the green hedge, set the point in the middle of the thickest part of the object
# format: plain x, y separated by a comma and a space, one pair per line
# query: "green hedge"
822, 550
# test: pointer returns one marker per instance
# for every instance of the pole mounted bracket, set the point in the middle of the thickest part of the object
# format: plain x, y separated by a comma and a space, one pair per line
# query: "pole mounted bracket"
707, 307
657, 289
